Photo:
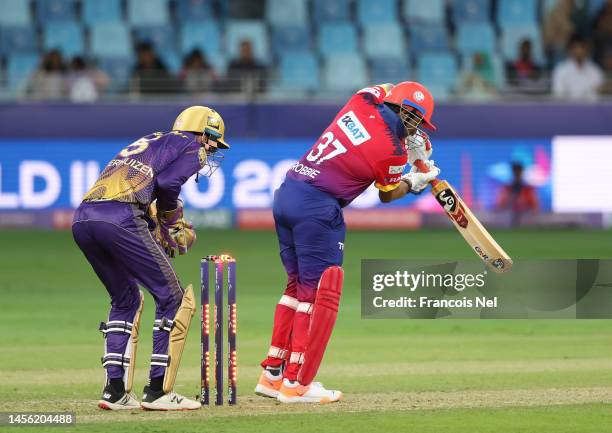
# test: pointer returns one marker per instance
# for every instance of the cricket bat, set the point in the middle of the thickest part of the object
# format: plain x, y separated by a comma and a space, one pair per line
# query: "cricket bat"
474, 233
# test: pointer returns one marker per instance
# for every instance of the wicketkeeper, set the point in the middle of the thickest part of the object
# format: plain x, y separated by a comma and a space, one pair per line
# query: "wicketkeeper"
128, 225
370, 141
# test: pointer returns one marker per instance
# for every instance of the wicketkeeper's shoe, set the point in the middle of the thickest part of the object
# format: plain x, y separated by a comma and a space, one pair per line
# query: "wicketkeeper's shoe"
294, 392
268, 384
158, 400
113, 400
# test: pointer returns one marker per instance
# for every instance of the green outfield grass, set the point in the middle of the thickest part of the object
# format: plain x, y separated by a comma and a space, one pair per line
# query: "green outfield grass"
397, 375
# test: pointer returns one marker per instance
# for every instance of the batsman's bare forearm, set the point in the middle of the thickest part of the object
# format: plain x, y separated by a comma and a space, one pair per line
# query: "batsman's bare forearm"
394, 194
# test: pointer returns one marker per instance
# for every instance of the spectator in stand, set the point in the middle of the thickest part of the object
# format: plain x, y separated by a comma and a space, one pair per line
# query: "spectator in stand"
524, 72
602, 33
478, 82
150, 74
517, 197
84, 84
47, 82
245, 74
197, 76
557, 29
577, 78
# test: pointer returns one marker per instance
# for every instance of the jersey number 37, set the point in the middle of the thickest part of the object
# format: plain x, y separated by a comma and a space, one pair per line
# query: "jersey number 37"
317, 156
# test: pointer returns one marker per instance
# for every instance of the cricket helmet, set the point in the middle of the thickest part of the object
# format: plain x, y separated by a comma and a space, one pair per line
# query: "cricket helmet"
409, 95
202, 120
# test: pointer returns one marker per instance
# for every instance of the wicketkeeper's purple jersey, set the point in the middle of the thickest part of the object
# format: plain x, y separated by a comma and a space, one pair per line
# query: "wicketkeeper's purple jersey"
153, 167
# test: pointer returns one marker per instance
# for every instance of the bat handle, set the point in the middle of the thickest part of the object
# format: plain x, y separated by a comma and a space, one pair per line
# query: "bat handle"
424, 169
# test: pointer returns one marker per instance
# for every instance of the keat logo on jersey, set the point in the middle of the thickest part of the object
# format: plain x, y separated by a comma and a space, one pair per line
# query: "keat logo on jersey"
353, 128
396, 169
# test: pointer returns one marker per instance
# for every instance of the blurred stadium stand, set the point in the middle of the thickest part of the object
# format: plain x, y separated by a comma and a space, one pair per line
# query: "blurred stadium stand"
322, 47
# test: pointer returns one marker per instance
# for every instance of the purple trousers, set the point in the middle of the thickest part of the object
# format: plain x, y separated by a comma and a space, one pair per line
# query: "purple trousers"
115, 239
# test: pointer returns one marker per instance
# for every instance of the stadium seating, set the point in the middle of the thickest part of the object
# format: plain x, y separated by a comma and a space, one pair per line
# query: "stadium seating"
96, 11
119, 70
384, 41
14, 13
194, 10
147, 12
204, 36
287, 12
512, 36
427, 37
66, 37
379, 12
512, 12
344, 73
331, 10
299, 71
497, 63
162, 37
110, 40
55, 10
171, 60
389, 70
471, 10
438, 69
337, 38
475, 36
21, 39
253, 30
19, 68
430, 11
290, 38
379, 35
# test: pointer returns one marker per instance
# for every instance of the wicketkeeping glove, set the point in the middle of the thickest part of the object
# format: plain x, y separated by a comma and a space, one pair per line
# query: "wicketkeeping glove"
418, 181
173, 232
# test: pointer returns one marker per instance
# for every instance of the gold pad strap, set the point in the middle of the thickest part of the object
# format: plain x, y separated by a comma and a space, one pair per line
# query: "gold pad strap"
178, 335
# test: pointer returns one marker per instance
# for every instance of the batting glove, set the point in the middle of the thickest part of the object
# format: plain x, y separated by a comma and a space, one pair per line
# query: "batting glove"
418, 181
418, 146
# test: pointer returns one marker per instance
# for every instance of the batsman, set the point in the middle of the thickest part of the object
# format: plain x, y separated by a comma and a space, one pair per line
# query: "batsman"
128, 226
370, 140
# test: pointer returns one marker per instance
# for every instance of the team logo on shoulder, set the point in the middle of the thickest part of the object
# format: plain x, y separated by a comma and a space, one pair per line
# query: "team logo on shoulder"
396, 169
352, 127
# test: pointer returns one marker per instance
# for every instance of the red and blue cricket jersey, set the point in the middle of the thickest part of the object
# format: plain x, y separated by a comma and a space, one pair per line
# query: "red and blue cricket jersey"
363, 144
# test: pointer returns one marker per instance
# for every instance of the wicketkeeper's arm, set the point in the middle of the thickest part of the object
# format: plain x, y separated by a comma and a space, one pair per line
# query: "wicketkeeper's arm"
171, 179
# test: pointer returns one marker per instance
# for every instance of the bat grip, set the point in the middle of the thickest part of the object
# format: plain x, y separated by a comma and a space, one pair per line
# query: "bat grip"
424, 169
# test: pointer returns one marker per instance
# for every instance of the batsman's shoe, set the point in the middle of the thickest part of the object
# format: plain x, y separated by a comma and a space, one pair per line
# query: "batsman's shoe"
158, 400
294, 392
112, 400
268, 384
